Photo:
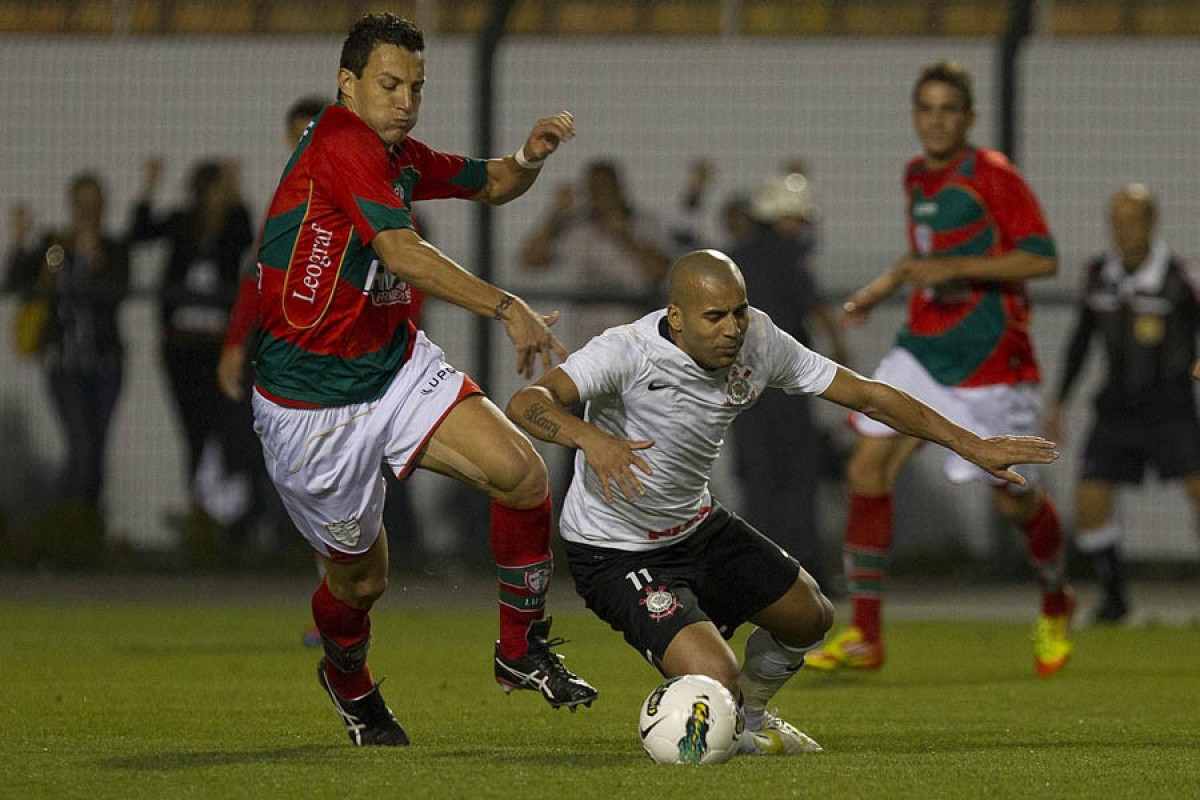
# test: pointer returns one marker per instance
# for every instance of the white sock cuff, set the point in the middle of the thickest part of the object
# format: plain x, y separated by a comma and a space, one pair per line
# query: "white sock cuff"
1094, 540
799, 651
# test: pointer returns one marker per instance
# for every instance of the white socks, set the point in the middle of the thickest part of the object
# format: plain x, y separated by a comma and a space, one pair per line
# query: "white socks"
767, 666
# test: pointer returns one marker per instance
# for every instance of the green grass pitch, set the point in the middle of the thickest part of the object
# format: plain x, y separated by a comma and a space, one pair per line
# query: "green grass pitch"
159, 700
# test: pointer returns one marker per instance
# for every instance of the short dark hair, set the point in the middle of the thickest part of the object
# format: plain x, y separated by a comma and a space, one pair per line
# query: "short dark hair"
205, 175
950, 73
306, 108
375, 29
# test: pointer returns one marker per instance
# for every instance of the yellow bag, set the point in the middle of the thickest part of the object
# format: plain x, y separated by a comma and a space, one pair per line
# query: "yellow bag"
33, 313
29, 327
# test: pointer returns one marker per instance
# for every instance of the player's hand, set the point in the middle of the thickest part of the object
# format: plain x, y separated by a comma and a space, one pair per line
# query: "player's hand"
230, 368
1196, 369
997, 455
547, 134
530, 335
857, 308
613, 461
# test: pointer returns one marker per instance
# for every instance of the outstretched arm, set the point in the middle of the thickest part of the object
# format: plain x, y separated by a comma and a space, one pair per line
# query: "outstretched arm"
540, 409
903, 412
857, 308
511, 176
1015, 265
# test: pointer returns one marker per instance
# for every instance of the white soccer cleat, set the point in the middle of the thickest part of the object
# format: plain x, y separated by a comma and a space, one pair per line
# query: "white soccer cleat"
777, 738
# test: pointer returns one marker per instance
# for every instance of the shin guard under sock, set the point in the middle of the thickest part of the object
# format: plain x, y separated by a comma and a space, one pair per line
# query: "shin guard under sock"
767, 665
868, 539
346, 635
520, 540
1044, 540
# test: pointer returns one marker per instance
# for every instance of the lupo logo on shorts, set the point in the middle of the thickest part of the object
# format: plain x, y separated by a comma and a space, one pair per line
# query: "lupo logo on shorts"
442, 374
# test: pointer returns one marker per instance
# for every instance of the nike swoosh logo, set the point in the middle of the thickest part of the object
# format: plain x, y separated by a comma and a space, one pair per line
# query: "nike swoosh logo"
652, 726
654, 387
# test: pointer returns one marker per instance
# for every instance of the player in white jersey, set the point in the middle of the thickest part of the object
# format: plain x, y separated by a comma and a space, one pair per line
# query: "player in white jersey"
651, 552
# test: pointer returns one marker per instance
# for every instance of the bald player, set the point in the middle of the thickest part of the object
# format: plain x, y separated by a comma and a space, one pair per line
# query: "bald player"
652, 553
1143, 302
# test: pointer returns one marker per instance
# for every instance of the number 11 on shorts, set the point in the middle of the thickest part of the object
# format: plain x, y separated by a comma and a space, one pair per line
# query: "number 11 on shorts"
639, 583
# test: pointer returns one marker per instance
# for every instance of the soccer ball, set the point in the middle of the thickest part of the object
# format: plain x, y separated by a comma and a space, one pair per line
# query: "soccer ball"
691, 719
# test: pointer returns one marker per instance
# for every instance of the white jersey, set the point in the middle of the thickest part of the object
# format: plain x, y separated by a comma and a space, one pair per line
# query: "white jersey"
639, 385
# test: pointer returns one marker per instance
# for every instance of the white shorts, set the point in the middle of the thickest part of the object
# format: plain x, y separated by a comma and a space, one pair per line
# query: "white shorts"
1002, 409
326, 462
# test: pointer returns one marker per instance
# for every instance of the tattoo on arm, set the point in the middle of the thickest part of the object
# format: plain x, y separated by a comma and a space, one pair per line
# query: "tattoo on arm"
539, 415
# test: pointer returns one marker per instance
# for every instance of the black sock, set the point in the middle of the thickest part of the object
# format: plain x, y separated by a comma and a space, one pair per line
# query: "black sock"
1107, 565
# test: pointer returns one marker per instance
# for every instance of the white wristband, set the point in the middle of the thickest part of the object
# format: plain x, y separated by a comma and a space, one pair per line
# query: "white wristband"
525, 163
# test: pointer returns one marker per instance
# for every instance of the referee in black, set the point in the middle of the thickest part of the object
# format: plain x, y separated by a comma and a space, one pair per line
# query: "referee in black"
1143, 302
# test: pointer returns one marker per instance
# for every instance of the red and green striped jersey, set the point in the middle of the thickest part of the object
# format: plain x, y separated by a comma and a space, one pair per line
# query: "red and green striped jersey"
972, 333
335, 323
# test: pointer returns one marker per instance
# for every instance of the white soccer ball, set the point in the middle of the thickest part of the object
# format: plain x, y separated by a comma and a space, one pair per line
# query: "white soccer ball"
691, 719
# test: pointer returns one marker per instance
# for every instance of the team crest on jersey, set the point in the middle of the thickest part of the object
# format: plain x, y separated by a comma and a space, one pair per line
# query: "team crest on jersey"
1148, 329
738, 389
345, 531
660, 603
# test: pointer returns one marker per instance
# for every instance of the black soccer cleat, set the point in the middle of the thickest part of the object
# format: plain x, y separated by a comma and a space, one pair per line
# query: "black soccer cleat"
368, 720
542, 671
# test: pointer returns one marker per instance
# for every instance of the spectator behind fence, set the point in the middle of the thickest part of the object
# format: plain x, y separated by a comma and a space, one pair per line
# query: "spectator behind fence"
235, 376
1143, 302
232, 377
72, 283
975, 234
207, 238
779, 490
737, 221
602, 245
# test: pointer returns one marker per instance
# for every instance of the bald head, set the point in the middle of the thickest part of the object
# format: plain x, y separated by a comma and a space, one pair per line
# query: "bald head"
1133, 214
1137, 197
698, 271
708, 313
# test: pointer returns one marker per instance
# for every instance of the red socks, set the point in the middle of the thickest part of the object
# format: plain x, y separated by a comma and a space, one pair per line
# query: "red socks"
1043, 537
868, 539
521, 548
346, 632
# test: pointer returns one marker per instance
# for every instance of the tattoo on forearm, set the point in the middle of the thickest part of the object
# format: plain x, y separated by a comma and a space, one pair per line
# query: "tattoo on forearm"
539, 415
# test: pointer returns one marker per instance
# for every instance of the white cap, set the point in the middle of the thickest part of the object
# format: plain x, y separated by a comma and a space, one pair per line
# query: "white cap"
786, 196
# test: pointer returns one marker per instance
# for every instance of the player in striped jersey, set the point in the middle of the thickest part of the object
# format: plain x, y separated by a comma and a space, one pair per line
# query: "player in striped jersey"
976, 234
346, 383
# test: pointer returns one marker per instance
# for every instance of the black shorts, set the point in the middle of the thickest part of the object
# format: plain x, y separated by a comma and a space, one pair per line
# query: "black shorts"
725, 572
1119, 449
